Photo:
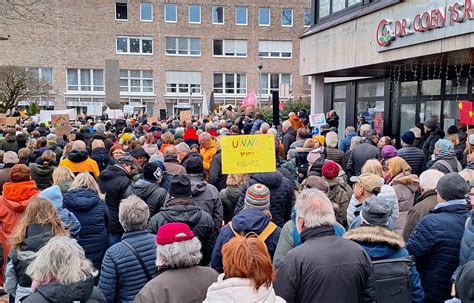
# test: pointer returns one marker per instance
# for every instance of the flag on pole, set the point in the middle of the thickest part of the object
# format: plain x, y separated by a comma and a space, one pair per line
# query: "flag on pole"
212, 102
249, 100
205, 105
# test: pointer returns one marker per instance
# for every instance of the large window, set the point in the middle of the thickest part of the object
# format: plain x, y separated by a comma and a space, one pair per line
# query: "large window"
194, 14
134, 45
85, 80
183, 46
272, 82
43, 74
146, 11
241, 15
171, 14
275, 49
183, 83
264, 16
217, 15
326, 8
287, 17
370, 103
230, 83
307, 17
230, 48
136, 81
121, 11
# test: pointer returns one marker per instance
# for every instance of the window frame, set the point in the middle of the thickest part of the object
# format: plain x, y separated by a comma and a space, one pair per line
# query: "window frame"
141, 53
269, 17
190, 87
141, 78
120, 3
189, 14
310, 16
177, 47
175, 12
267, 90
223, 49
246, 16
91, 79
269, 56
141, 17
223, 14
40, 74
292, 17
235, 88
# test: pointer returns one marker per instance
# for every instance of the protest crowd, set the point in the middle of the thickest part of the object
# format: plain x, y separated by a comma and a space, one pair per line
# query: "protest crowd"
129, 210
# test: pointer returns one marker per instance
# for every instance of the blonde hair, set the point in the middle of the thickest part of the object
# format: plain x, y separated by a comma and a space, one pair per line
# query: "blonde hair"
372, 166
62, 174
23, 153
398, 165
67, 149
48, 157
237, 179
149, 138
31, 144
85, 180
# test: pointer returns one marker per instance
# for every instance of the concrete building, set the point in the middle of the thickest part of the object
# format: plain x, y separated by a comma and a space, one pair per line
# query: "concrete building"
395, 63
169, 53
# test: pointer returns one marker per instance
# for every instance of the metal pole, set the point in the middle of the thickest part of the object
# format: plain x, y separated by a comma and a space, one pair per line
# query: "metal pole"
260, 87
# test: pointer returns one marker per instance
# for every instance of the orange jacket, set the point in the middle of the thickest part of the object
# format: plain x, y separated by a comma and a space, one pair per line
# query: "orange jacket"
88, 166
296, 122
208, 154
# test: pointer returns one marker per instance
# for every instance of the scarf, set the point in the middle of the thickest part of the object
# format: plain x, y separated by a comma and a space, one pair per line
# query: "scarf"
470, 165
448, 154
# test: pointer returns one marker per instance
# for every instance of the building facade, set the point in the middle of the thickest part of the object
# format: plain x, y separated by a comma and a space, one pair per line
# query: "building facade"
170, 53
395, 63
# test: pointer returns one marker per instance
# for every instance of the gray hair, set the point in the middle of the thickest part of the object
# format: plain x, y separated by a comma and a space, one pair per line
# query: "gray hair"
179, 254
272, 131
100, 128
265, 126
133, 214
286, 124
63, 259
183, 147
355, 141
209, 126
364, 129
204, 136
429, 179
350, 129
332, 140
85, 180
315, 208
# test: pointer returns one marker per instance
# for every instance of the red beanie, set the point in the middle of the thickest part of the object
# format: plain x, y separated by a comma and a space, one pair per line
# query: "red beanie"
173, 232
20, 173
330, 170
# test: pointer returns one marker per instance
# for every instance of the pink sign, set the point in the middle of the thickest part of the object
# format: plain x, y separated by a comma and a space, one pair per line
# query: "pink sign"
249, 100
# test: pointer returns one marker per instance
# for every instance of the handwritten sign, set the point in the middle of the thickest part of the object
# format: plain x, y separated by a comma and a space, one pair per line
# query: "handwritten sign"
317, 119
248, 154
185, 116
61, 125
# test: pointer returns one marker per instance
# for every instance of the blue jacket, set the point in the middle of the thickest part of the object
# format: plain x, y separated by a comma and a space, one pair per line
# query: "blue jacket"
466, 253
435, 244
248, 220
345, 143
382, 243
122, 277
93, 214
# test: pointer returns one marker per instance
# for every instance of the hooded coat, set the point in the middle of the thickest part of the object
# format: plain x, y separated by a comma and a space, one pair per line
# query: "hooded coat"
429, 140
199, 221
427, 202
101, 156
5, 175
288, 138
78, 161
42, 173
113, 182
208, 154
206, 197
92, 213
150, 192
10, 144
282, 195
229, 197
247, 221
382, 243
405, 185
52, 145
240, 290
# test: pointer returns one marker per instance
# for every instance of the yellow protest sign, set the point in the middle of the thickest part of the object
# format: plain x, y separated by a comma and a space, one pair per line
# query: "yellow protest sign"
248, 154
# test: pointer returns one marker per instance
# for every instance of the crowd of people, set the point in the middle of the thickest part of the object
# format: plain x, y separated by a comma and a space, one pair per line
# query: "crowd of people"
132, 211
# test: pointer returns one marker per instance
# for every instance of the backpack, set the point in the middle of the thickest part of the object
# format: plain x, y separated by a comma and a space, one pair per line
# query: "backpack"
393, 279
269, 229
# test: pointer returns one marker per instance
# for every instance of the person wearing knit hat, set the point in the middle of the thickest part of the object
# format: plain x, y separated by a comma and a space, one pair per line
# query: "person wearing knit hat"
178, 255
330, 170
408, 137
445, 159
388, 151
414, 156
319, 140
257, 196
10, 158
431, 124
339, 193
375, 211
452, 187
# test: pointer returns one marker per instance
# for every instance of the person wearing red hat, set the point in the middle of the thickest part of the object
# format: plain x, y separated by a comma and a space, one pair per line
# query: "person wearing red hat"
178, 254
339, 192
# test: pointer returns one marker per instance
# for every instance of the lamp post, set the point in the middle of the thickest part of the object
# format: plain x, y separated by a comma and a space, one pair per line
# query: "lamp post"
260, 66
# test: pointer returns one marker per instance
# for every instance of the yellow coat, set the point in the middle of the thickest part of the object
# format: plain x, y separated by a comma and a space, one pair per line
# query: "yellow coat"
208, 154
88, 165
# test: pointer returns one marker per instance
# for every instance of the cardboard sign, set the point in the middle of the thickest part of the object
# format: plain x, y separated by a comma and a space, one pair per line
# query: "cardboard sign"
317, 119
61, 124
128, 109
248, 154
185, 116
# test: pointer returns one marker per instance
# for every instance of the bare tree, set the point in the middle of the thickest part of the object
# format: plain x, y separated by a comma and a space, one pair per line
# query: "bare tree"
17, 84
35, 11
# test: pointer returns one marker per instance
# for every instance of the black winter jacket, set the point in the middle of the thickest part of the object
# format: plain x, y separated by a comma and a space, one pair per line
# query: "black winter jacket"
216, 177
365, 151
114, 181
415, 157
153, 195
430, 140
325, 268
288, 138
101, 156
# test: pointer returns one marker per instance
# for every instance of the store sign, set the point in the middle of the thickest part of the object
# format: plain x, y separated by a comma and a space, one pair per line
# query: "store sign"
433, 21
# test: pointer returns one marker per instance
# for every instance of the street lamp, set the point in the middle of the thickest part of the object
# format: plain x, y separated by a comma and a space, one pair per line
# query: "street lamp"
260, 66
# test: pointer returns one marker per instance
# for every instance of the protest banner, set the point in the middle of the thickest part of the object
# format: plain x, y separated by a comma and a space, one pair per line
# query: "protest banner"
61, 125
128, 109
248, 154
466, 112
185, 116
317, 119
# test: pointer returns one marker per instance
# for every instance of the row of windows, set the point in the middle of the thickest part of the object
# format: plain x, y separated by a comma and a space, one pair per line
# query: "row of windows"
177, 82
183, 46
217, 14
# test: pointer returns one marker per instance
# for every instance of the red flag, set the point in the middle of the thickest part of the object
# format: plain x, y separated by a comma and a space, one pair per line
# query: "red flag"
466, 112
249, 100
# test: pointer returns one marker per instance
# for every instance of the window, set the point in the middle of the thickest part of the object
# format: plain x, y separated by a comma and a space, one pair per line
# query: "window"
217, 15
241, 15
85, 80
183, 46
183, 83
134, 45
328, 7
171, 14
230, 48
275, 49
264, 16
194, 14
272, 82
230, 83
307, 17
121, 11
43, 74
136, 81
287, 17
146, 11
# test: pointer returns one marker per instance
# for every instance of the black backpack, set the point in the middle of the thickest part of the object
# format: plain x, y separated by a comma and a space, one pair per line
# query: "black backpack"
393, 279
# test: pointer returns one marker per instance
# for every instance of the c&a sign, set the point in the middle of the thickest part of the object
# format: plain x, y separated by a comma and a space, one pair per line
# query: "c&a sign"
435, 20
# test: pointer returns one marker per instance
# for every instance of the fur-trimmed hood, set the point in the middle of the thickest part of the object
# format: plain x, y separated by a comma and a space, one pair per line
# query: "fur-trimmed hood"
375, 235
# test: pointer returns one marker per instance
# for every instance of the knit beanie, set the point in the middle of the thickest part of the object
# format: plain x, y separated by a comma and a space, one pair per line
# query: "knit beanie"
152, 172
54, 195
320, 139
180, 187
388, 152
375, 211
20, 173
257, 196
408, 137
444, 145
330, 170
452, 187
10, 158
431, 123
193, 165
452, 130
